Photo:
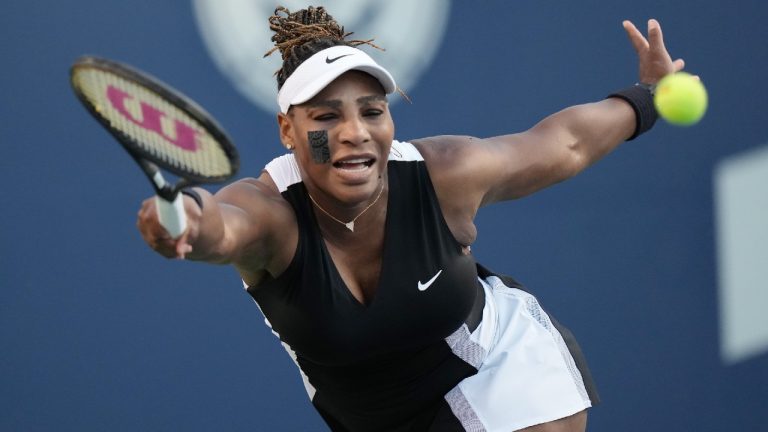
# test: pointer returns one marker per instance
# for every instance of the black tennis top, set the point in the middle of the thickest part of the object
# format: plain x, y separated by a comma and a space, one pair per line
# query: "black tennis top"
373, 367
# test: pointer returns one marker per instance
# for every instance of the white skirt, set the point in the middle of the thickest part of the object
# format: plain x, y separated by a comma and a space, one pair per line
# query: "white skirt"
526, 373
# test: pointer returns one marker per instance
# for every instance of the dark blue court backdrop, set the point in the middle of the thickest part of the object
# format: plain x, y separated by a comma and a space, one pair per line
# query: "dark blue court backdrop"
99, 333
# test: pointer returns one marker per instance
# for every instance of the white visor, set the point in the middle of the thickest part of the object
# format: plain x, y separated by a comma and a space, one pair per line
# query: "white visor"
316, 72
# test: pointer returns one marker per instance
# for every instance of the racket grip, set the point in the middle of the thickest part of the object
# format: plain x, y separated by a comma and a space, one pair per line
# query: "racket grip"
172, 215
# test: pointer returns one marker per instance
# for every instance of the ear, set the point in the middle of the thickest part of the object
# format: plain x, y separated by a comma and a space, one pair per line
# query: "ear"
285, 124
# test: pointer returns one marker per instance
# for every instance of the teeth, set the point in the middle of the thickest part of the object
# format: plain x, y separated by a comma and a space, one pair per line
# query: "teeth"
354, 161
355, 167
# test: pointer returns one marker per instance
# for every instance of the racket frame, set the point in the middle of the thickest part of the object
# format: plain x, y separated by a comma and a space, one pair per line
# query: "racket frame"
174, 97
169, 201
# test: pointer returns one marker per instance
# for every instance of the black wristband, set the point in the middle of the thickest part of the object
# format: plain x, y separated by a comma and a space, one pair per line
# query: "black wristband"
194, 195
640, 98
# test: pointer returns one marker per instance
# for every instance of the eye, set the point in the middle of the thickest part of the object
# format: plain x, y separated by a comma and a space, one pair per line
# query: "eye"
324, 117
373, 112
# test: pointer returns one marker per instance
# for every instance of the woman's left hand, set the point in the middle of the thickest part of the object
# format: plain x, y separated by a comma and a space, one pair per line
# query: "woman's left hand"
654, 60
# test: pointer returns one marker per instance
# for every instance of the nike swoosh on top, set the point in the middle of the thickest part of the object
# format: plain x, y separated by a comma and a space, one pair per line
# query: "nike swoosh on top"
331, 60
424, 286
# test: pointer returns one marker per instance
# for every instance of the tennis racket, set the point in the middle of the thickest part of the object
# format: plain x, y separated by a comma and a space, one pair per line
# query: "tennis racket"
160, 128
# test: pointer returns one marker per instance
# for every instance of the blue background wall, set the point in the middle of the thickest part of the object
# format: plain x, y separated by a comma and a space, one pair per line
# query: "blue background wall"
99, 333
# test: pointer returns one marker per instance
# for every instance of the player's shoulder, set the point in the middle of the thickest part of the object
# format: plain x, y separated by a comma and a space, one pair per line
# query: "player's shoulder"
442, 146
444, 152
249, 191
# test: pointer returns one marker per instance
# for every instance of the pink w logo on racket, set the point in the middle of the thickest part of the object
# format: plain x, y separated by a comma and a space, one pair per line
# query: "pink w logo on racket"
151, 119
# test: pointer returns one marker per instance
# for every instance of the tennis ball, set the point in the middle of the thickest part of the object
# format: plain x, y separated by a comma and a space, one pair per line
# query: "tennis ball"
680, 99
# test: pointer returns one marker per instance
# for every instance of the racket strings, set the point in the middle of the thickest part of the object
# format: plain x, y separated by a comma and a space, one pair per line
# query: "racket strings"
155, 126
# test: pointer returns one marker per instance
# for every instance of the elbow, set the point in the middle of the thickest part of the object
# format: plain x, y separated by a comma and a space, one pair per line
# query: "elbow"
574, 157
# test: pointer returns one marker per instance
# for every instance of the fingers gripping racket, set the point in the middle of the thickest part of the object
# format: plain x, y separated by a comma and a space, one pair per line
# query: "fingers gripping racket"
159, 127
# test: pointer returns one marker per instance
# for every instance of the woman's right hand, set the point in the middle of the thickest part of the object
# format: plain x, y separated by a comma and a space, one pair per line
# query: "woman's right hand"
156, 236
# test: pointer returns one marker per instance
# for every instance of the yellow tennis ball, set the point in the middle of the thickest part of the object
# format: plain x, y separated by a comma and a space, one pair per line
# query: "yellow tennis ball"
680, 99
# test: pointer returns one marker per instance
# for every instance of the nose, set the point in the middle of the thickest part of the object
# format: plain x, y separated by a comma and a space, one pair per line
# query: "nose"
353, 131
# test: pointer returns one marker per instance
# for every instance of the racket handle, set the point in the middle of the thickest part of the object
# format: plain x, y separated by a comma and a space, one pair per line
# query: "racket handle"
172, 215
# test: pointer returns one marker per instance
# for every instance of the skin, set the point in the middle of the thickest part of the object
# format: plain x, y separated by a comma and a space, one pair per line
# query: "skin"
249, 225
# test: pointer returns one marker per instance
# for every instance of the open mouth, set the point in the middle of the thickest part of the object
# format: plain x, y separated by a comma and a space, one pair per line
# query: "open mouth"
354, 164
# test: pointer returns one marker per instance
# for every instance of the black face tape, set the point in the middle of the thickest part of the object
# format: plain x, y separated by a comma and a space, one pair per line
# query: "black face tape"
318, 145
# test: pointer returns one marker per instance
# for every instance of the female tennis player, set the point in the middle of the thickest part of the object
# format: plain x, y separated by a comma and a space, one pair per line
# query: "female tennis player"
356, 246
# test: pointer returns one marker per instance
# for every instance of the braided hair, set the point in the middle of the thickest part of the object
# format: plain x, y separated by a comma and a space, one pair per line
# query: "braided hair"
301, 34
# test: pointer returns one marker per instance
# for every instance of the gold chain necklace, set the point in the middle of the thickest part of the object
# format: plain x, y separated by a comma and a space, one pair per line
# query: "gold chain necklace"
351, 224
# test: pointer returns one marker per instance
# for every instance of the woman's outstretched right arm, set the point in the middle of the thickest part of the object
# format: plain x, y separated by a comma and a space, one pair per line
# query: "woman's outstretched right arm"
246, 223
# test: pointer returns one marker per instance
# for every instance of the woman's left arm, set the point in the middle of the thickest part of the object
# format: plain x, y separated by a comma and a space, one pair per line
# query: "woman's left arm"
557, 148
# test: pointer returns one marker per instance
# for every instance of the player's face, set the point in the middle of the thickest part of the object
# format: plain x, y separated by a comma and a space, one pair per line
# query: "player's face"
341, 139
